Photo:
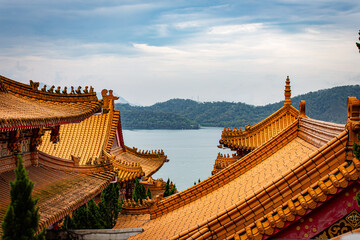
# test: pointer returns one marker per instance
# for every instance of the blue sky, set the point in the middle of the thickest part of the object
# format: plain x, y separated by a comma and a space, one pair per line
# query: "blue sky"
152, 51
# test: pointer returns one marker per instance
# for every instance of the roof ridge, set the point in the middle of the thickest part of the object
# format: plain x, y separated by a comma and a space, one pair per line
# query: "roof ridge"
245, 138
226, 175
255, 206
52, 94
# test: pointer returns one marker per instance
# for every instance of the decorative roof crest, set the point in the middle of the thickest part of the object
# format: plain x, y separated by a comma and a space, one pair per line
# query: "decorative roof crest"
353, 119
108, 98
302, 109
287, 92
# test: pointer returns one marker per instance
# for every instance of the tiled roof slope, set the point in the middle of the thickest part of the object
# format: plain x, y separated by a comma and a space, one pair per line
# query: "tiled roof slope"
23, 106
150, 162
209, 205
258, 134
282, 179
59, 192
91, 141
84, 140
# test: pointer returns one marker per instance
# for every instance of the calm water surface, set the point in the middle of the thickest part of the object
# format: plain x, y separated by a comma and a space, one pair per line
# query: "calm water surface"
192, 153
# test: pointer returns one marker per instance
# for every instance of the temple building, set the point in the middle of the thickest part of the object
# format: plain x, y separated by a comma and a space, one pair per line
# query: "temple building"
293, 178
245, 141
71, 144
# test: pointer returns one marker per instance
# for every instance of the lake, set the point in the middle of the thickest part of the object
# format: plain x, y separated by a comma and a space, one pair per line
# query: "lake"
192, 153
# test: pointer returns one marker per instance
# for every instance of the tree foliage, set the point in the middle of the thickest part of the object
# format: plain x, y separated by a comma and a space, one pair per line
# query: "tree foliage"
356, 149
93, 216
109, 207
148, 193
22, 217
139, 192
169, 190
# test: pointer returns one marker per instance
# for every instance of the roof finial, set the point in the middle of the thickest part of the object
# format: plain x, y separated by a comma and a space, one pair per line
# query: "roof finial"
287, 92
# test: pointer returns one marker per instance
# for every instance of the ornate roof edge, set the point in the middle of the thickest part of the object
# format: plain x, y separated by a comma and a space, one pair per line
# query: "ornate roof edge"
286, 108
291, 194
67, 165
159, 154
297, 191
125, 171
251, 129
307, 200
58, 215
44, 122
52, 94
226, 175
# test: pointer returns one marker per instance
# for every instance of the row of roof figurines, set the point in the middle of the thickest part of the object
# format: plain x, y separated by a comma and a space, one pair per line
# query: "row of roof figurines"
35, 86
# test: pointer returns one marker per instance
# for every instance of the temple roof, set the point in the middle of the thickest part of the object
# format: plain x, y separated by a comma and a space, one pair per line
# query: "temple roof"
290, 174
256, 135
85, 140
24, 106
59, 192
150, 162
95, 141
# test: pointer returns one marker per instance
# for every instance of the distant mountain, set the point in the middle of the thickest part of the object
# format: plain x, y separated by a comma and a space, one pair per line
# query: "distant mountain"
327, 105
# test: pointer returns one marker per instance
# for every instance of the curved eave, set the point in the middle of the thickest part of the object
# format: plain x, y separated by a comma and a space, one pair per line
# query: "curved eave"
45, 121
231, 138
271, 118
21, 89
300, 189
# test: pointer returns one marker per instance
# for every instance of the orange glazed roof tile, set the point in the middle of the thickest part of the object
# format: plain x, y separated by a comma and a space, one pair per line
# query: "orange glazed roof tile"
84, 140
90, 142
281, 179
23, 106
59, 192
149, 163
211, 204
256, 135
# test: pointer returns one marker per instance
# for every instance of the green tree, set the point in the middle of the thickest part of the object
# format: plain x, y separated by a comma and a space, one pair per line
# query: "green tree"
94, 219
358, 44
92, 216
139, 192
109, 207
67, 223
22, 217
172, 191
167, 188
148, 193
356, 149
79, 218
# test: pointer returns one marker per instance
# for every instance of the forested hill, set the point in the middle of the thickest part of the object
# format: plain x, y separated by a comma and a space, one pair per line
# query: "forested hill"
328, 105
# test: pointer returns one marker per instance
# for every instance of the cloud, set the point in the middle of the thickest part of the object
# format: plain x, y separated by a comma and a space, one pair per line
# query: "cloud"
239, 51
241, 28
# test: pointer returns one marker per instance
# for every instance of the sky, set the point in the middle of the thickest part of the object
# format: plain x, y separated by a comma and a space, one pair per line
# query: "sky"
153, 51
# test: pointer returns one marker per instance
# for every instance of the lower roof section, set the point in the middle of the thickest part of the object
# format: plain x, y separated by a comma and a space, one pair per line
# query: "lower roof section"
85, 140
148, 164
200, 210
59, 192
